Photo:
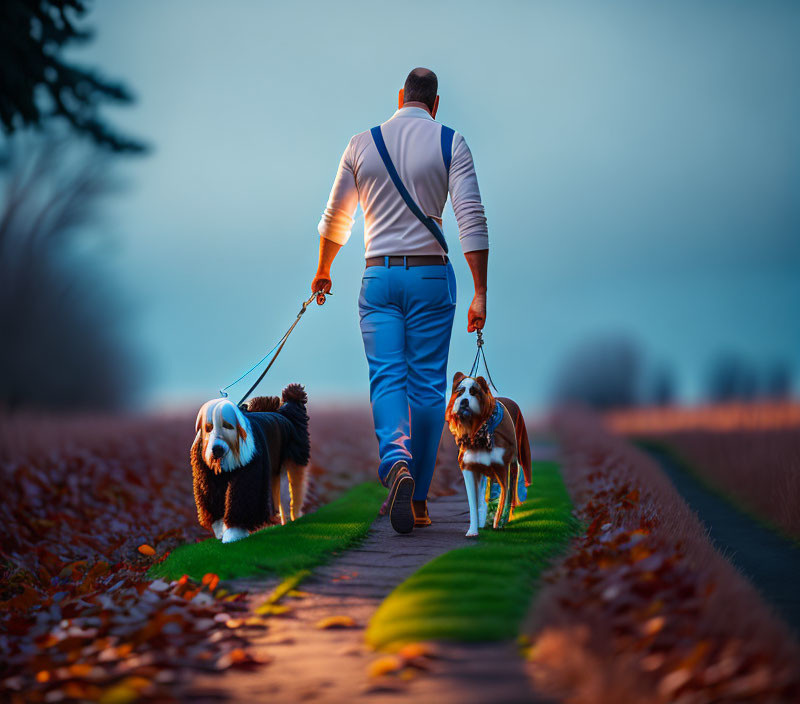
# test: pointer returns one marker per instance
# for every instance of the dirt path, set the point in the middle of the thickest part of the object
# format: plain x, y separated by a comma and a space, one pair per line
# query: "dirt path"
769, 561
312, 664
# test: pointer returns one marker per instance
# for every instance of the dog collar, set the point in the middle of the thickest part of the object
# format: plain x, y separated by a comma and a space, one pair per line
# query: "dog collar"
484, 435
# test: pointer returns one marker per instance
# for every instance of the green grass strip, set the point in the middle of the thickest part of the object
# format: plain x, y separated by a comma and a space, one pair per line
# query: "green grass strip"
481, 592
284, 550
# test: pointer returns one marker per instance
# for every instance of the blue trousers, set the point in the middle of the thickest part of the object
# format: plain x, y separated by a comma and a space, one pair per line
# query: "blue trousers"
406, 318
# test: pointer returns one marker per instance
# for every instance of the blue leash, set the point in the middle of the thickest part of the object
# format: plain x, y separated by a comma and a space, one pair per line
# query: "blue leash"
278, 346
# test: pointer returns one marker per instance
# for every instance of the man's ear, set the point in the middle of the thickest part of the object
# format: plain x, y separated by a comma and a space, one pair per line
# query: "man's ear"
435, 107
457, 379
482, 383
400, 98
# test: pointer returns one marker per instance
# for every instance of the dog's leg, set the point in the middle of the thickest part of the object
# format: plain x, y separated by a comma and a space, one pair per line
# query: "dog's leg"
297, 488
471, 482
514, 479
276, 496
499, 516
482, 500
514, 489
231, 535
219, 528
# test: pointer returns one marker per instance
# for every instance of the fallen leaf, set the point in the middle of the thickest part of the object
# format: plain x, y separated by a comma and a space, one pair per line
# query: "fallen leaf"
336, 622
384, 666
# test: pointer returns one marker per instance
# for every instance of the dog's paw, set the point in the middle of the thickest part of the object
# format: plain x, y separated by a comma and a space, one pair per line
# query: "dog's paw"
231, 535
219, 528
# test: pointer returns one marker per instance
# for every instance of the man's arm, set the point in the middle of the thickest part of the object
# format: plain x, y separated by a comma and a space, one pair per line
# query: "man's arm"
478, 261
334, 227
328, 249
472, 231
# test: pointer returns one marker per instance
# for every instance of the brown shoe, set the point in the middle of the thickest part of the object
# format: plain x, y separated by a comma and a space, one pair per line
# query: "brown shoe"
421, 516
401, 489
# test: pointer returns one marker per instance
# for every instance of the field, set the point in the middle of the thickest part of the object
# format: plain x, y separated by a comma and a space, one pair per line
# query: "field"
748, 452
638, 607
89, 505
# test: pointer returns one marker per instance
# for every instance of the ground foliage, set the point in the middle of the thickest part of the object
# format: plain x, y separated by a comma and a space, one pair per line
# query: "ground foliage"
89, 505
643, 608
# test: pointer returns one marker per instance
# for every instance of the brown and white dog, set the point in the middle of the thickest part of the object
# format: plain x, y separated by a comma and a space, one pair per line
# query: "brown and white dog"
492, 445
238, 458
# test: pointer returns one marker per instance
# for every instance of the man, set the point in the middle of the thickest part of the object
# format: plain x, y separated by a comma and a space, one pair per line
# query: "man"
408, 289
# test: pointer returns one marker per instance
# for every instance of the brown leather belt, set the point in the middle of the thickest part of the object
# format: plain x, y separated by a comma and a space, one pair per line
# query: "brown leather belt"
409, 260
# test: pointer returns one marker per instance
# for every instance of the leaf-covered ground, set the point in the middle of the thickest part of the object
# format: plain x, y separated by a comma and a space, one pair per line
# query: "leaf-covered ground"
89, 505
644, 609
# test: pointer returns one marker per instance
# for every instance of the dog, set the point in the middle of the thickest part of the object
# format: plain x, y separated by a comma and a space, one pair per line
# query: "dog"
492, 445
238, 457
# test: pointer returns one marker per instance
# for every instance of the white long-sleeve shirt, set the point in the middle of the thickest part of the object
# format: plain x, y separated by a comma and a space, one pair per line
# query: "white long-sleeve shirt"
413, 140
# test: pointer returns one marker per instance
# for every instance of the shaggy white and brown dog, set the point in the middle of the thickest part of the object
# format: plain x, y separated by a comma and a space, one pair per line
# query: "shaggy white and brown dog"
238, 458
492, 445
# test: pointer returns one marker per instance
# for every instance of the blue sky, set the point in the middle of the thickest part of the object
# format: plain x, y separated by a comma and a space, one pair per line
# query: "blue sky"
638, 163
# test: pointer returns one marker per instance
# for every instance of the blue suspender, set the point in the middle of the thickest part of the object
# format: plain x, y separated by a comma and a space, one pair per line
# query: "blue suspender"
447, 147
447, 150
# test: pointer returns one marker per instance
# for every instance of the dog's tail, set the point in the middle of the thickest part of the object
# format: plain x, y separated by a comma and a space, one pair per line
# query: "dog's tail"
524, 449
523, 444
293, 409
263, 404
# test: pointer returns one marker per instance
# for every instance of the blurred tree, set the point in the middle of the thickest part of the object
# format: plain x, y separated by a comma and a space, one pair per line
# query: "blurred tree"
60, 347
732, 378
36, 84
662, 387
603, 372
778, 382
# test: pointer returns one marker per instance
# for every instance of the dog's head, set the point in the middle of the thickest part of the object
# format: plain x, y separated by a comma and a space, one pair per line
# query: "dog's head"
224, 434
471, 403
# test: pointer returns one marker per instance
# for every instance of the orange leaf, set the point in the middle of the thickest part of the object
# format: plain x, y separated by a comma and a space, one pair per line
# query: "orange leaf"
146, 550
385, 666
414, 650
336, 622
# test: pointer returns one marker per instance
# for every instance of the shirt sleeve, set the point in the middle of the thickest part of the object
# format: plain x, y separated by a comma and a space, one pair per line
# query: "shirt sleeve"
337, 220
466, 198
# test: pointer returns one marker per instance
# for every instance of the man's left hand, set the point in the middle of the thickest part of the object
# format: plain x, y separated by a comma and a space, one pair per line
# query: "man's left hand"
476, 316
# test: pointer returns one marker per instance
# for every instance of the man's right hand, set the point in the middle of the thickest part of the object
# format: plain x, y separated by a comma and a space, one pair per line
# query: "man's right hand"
322, 283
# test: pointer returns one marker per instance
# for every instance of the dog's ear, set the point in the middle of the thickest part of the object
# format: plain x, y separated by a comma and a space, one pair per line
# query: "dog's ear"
241, 430
482, 383
457, 379
200, 415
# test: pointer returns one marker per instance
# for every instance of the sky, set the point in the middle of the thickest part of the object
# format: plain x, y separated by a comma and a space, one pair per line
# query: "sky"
638, 163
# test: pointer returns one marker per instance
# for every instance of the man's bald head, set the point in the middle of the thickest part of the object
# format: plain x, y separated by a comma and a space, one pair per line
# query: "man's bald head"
421, 86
